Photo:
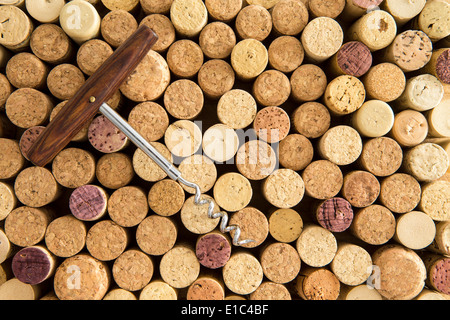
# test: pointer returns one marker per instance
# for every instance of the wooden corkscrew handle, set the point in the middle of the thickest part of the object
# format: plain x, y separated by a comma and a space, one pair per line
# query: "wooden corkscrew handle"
97, 89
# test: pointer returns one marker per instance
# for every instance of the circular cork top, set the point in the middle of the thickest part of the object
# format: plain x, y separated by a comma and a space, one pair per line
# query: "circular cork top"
64, 80
11, 159
159, 6
183, 99
243, 273
249, 58
374, 224
195, 217
25, 70
432, 19
106, 240
285, 53
434, 200
335, 214
127, 5
183, 138
308, 82
215, 78
114, 170
442, 68
375, 118
402, 272
179, 267
360, 188
360, 292
117, 25
354, 58
213, 250
326, 8
127, 206
341, 145
295, 152
156, 235
415, 230
17, 27
232, 191
74, 167
323, 179
220, 142
311, 119
92, 54
237, 108
146, 168
184, 58
133, 270
439, 274
158, 290
200, 170
344, 94
256, 159
28, 137
32, 265
65, 236
150, 119
438, 124
119, 294
166, 197
223, 11
253, 22
319, 284
284, 188
280, 262
381, 156
289, 17
271, 88
352, 264
9, 200
88, 202
6, 251
385, 82
253, 224
400, 192
16, 289
50, 43
188, 16
163, 28
105, 136
272, 124
285, 225
426, 161
271, 291
422, 93
206, 288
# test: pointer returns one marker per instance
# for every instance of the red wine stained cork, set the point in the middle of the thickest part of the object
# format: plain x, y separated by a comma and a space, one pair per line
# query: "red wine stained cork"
184, 57
200, 170
74, 167
341, 145
272, 124
80, 21
308, 83
119, 294
271, 88
206, 288
88, 202
359, 292
326, 8
64, 80
28, 107
133, 270
352, 264
249, 58
253, 224
44, 11
438, 65
220, 143
183, 99
116, 26
223, 10
33, 265
158, 290
285, 53
105, 137
434, 200
356, 8
284, 188
441, 242
156, 235
280, 262
166, 197
311, 119
381, 156
317, 284
270, 291
65, 236
188, 17
14, 289
28, 137
179, 266
400, 192
183, 138
385, 82
142, 85
438, 124
415, 230
150, 119
375, 118
7, 250
344, 95
253, 22
217, 40
335, 214
11, 159
426, 162
16, 29
25, 70
106, 240
289, 17
127, 206
25, 226
92, 54
114, 170
236, 108
374, 224
164, 29
401, 273
410, 128
243, 273
82, 277
422, 93
432, 21
5, 90
256, 160
285, 225
195, 217
438, 272
353, 58
50, 43
232, 191
147, 169
159, 6
8, 199
360, 188
403, 11
295, 152
215, 78
213, 250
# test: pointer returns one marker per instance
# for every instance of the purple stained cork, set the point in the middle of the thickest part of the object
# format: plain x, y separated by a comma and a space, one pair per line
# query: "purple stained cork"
32, 265
443, 67
441, 276
213, 250
28, 137
105, 136
354, 58
88, 202
335, 214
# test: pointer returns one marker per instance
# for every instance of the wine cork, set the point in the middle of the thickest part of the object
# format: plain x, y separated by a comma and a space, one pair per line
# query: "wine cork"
322, 38
360, 188
441, 240
50, 43
376, 29
159, 6
183, 99
403, 11
200, 170
334, 214
401, 272
80, 21
415, 230
352, 264
28, 107
14, 289
374, 119
105, 137
295, 152
150, 119
116, 26
341, 145
44, 11
308, 83
220, 143
184, 58
438, 126
236, 108
133, 270
400, 192
7, 250
156, 235
28, 137
253, 22
438, 268
25, 226
280, 262
243, 273
33, 264
422, 93
166, 197
158, 290
25, 70
326, 8
438, 65
195, 217
311, 119
146, 168
284, 188
385, 82
65, 236
290, 17
353, 58
285, 53
271, 88
359, 292
268, 4
11, 159
106, 240
223, 11
256, 160
356, 8
9, 199
82, 277
285, 225
317, 284
142, 85
114, 170
16, 29
164, 29
426, 161
410, 128
5, 91
249, 58
64, 80
179, 266
272, 124
119, 294
74, 167
253, 224
88, 202
272, 291
434, 200
188, 18
206, 288
432, 21
183, 138
344, 95
215, 78
374, 224
92, 54
217, 40
213, 250
127, 206
232, 191
127, 5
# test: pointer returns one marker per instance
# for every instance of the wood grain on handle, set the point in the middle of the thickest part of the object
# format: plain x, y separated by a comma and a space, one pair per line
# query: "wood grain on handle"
97, 89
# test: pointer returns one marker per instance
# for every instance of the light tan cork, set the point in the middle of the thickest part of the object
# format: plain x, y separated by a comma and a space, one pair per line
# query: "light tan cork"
216, 77
188, 17
400, 192
426, 162
253, 22
179, 267
114, 170
116, 26
403, 10
5, 91
269, 290
344, 95
156, 235
410, 128
285, 53
66, 236
184, 58
295, 152
272, 124
7, 250
158, 290
374, 119
80, 21
183, 99
166, 197
8, 199
434, 200
44, 11
441, 242
127, 206
249, 58
285, 225
16, 29
384, 81
16, 289
11, 159
427, 294
243, 273
92, 54
82, 277
352, 264
268, 4
256, 160
360, 188
74, 167
316, 246
438, 124
50, 43
224, 10
341, 145
415, 230
432, 21
106, 240
232, 191
217, 40
290, 17
236, 108
308, 83
25, 70
146, 168
422, 93
253, 224
200, 170
220, 143
119, 294
284, 188
206, 288
356, 8
183, 138
150, 119
158, 6
326, 8
359, 292
374, 224
195, 217
280, 262
64, 80
164, 29
133, 270
271, 88
317, 284
311, 119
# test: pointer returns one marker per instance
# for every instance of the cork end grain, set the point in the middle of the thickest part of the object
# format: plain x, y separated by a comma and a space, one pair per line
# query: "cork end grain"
285, 53
253, 225
33, 265
426, 161
8, 200
25, 70
215, 78
179, 267
133, 270
237, 108
352, 264
341, 145
166, 197
253, 22
249, 58
285, 225
198, 169
289, 17
271, 291
105, 136
316, 246
280, 262
385, 82
223, 10
295, 152
11, 159
127, 206
156, 235
360, 188
158, 290
243, 273
272, 124
116, 26
64, 80
188, 17
354, 58
65, 236
442, 67
206, 288
213, 250
434, 200
319, 284
106, 240
50, 43
184, 58
344, 95
74, 167
308, 82
220, 143
415, 230
232, 191
183, 138
17, 28
440, 275
335, 214
271, 88
256, 159
195, 217
284, 188
381, 156
323, 179
183, 99
311, 119
88, 202
114, 170
374, 224
163, 28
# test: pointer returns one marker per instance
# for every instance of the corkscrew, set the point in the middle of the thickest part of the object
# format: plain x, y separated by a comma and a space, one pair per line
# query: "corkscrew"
90, 99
